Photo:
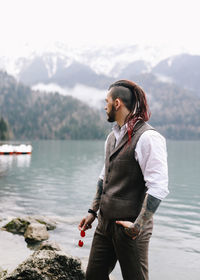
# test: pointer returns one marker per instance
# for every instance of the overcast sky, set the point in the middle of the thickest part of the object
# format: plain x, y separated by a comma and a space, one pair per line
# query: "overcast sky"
35, 24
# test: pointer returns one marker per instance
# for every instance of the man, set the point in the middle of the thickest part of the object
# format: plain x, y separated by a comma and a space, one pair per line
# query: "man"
131, 186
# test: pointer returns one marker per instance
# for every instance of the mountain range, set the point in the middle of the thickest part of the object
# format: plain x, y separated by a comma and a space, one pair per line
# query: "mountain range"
184, 70
171, 86
98, 67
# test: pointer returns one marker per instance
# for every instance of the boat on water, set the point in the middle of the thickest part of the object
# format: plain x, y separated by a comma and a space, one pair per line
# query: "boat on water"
9, 149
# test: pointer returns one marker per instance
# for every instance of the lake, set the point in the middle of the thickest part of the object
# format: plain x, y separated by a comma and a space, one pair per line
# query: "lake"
59, 181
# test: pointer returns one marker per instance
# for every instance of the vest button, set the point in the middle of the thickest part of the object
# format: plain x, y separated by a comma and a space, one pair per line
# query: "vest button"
108, 169
106, 181
104, 192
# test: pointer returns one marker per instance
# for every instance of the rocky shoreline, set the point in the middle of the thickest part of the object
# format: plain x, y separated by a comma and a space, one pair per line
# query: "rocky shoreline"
34, 228
48, 261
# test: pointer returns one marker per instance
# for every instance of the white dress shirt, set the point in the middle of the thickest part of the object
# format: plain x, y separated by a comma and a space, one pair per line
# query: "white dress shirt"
151, 154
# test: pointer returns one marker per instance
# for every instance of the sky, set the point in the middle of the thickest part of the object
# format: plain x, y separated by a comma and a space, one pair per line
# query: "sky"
37, 24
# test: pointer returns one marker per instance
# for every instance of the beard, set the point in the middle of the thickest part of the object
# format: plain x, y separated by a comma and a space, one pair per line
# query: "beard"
111, 115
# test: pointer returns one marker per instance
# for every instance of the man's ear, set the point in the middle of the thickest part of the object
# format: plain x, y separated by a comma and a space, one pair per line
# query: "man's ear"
117, 103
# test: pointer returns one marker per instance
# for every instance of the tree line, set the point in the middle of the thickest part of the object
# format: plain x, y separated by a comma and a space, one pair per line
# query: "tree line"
29, 115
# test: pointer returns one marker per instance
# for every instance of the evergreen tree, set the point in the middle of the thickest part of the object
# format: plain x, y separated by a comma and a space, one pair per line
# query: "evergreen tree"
3, 129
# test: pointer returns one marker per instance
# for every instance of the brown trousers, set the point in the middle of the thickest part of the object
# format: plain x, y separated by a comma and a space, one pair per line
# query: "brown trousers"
111, 243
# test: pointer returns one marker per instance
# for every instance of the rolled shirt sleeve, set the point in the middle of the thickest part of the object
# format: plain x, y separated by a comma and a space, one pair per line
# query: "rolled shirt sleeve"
151, 154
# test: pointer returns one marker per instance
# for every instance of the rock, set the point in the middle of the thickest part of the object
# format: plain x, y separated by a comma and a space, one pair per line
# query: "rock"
48, 265
48, 222
19, 225
47, 245
36, 232
2, 273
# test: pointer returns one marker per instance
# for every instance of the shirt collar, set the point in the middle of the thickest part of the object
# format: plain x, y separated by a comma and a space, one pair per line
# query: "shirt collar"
119, 131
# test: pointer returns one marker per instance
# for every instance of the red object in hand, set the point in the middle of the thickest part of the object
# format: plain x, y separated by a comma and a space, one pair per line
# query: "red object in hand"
80, 243
82, 233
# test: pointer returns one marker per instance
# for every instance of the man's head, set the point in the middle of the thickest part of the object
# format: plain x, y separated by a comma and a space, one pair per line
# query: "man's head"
118, 99
127, 100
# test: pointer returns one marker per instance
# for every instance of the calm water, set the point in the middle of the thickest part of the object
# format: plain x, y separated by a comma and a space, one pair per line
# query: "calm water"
59, 181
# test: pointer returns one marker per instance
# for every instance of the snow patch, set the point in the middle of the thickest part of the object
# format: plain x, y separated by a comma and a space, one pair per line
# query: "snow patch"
164, 79
51, 65
170, 61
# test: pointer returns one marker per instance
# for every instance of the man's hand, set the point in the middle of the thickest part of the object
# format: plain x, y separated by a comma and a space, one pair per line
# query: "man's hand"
86, 222
131, 229
149, 207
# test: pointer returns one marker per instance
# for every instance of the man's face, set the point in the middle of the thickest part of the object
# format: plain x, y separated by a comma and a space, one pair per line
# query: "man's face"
110, 109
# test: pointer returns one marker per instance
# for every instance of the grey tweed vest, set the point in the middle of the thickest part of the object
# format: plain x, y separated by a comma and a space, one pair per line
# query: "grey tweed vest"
124, 187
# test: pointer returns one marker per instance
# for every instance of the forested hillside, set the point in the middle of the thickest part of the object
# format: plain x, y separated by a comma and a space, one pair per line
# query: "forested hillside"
175, 111
35, 115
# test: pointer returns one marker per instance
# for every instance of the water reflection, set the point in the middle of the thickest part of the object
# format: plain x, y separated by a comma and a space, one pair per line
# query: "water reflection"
7, 162
23, 160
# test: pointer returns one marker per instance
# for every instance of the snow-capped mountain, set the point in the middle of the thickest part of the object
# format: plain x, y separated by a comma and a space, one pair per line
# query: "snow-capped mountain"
65, 68
183, 70
108, 61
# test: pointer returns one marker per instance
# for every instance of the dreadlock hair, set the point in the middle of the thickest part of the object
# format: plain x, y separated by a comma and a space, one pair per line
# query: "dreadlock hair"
134, 98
